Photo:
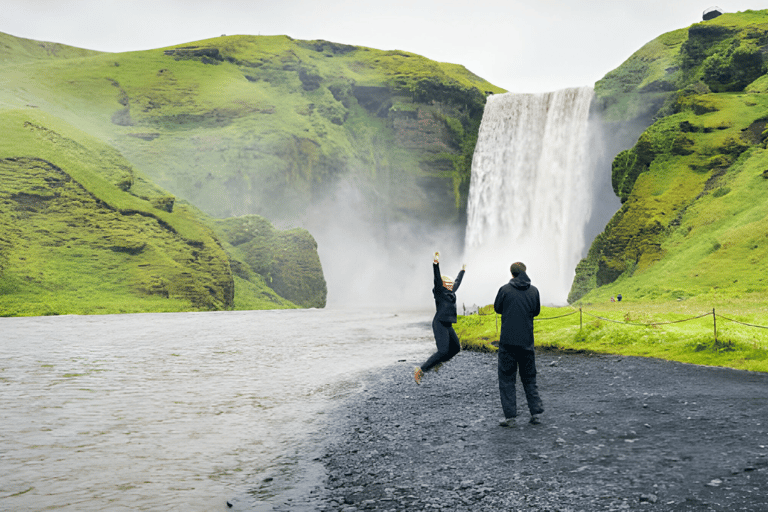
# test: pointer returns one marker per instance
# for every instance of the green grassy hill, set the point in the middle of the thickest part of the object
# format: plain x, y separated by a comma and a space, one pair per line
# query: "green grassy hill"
694, 219
73, 239
267, 125
143, 181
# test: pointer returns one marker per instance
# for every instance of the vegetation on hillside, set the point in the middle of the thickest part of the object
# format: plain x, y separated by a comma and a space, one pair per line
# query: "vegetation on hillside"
694, 216
83, 232
74, 239
232, 127
266, 125
286, 260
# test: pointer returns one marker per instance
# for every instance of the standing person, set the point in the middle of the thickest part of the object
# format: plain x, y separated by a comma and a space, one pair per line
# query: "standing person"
517, 302
442, 324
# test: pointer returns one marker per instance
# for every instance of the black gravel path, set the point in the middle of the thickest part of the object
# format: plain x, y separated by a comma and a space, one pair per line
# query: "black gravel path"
619, 433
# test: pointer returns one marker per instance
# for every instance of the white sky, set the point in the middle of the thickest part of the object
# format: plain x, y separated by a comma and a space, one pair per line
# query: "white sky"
519, 45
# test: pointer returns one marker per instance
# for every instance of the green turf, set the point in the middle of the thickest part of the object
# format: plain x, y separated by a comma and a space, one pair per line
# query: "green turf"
683, 331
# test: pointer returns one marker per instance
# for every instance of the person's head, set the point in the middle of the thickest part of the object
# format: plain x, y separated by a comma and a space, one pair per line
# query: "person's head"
447, 282
516, 268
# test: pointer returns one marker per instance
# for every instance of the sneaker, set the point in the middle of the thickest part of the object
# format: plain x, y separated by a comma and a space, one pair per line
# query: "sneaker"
535, 419
508, 422
418, 373
437, 367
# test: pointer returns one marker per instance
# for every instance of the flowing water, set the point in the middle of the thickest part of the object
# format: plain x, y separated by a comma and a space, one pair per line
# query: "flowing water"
181, 411
531, 191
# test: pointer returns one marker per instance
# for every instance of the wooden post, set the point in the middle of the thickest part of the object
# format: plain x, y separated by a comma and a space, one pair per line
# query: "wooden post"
714, 321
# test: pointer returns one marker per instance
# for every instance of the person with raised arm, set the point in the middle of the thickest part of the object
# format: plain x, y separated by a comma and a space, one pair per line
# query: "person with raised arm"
447, 340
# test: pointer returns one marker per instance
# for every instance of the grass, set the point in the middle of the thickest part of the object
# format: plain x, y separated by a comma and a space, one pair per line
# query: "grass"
612, 328
694, 219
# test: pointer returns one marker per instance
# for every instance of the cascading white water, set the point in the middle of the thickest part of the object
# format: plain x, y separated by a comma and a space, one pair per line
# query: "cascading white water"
530, 195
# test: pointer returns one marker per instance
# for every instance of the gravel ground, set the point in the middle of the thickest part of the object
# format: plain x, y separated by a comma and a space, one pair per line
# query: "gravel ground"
619, 433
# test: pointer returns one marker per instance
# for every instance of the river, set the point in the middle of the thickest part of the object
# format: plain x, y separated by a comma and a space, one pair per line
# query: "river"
182, 411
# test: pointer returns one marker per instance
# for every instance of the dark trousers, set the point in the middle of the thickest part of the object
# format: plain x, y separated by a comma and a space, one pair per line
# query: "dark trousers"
447, 344
510, 358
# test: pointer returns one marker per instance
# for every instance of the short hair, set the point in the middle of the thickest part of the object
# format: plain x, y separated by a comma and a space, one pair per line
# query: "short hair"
516, 268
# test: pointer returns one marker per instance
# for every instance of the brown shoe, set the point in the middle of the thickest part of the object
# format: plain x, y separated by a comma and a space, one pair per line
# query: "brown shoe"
418, 373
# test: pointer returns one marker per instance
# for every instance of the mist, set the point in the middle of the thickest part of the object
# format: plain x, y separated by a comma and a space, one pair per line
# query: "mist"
370, 260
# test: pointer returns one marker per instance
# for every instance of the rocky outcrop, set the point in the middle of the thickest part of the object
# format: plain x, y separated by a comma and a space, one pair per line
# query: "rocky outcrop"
287, 261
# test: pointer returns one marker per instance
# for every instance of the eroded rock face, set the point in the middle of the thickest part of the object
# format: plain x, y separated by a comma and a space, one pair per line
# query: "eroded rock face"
287, 261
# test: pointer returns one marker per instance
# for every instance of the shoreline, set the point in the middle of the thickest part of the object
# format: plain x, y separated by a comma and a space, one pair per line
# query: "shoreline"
618, 433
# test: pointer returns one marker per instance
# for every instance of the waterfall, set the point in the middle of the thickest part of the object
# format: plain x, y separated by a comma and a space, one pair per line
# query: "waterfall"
530, 194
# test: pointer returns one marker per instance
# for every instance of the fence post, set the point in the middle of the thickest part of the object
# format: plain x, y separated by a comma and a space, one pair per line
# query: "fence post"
714, 321
581, 323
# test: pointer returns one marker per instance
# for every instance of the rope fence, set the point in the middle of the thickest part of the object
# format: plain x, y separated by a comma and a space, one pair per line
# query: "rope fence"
581, 313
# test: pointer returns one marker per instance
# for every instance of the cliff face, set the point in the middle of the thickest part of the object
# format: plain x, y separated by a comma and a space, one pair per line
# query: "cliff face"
287, 261
691, 185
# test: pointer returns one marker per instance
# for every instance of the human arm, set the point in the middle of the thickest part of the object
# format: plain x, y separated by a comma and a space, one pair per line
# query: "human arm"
457, 282
536, 305
436, 270
498, 304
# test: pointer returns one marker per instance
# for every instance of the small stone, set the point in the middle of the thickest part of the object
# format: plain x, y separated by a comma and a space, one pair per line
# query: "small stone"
715, 483
466, 484
648, 498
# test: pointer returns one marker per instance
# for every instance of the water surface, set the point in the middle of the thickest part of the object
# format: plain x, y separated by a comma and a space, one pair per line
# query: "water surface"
180, 411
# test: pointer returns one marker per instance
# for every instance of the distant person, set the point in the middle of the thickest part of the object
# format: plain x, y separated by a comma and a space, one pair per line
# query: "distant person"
518, 303
446, 338
618, 297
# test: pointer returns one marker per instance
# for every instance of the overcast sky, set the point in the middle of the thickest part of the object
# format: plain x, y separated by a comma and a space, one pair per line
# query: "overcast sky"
521, 46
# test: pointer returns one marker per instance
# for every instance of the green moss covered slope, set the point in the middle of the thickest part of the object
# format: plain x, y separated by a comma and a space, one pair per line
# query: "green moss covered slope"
266, 125
694, 219
74, 238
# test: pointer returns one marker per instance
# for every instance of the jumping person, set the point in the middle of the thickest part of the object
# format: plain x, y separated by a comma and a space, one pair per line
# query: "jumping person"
517, 302
442, 324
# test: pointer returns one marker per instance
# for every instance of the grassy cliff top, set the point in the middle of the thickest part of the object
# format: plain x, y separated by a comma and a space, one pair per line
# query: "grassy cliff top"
682, 58
18, 50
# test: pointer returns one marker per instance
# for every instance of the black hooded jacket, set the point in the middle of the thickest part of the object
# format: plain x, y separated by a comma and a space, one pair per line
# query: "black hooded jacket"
517, 302
445, 299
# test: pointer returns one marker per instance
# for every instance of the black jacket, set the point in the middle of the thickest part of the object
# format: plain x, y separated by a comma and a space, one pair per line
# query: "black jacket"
445, 299
517, 302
